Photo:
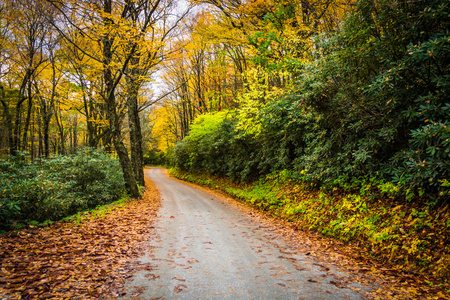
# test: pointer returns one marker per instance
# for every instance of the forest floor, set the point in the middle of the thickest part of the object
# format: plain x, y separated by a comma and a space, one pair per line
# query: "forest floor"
84, 259
93, 258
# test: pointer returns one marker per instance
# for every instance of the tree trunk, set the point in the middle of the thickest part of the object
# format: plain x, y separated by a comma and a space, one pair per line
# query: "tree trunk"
44, 122
74, 135
127, 168
137, 155
28, 119
40, 147
46, 128
121, 150
90, 126
16, 131
92, 130
113, 117
62, 136
32, 134
8, 121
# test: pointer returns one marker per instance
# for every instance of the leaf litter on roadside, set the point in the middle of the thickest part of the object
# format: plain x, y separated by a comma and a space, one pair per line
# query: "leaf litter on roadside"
386, 282
87, 260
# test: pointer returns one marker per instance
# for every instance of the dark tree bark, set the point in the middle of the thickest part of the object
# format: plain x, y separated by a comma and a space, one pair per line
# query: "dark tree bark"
135, 132
47, 108
28, 118
114, 119
17, 120
40, 137
46, 129
62, 134
74, 135
8, 120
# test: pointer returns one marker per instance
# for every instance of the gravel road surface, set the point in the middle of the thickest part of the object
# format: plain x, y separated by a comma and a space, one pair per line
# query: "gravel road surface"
207, 249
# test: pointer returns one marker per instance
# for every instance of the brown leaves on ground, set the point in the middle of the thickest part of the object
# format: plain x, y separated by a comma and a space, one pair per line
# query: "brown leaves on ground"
89, 260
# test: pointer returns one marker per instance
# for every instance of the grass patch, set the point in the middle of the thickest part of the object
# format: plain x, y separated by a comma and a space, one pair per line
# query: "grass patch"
97, 213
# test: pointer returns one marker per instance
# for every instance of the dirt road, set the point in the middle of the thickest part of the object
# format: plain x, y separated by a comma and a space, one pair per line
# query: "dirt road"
206, 249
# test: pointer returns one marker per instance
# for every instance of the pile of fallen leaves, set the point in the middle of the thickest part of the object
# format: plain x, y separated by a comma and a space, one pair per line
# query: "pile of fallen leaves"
86, 260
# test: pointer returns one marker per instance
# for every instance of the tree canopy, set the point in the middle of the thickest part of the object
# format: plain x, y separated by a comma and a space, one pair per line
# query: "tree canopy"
341, 93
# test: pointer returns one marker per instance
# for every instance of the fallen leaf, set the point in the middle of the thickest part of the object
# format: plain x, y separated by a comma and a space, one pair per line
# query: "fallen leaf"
179, 288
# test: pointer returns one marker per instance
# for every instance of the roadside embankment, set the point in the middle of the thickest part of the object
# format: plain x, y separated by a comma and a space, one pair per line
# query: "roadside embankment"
410, 238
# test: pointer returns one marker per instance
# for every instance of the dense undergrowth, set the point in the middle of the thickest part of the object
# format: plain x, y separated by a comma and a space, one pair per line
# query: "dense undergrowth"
407, 236
370, 107
59, 186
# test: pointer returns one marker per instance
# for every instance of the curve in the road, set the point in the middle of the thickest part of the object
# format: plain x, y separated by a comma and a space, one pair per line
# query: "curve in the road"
207, 249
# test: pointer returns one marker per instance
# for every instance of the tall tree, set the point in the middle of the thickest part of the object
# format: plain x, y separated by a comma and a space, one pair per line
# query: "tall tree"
124, 31
85, 74
28, 35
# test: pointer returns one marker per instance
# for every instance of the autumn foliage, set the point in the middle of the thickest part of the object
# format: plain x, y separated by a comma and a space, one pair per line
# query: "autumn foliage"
367, 108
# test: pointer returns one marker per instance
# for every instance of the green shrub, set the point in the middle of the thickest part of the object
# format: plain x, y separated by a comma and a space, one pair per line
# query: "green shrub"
154, 157
53, 188
370, 111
